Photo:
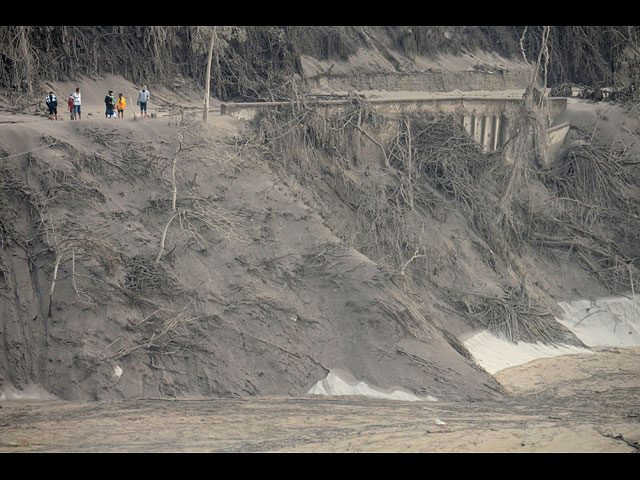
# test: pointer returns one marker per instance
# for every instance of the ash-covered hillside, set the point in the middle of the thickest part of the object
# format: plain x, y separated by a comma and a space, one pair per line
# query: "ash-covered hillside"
168, 257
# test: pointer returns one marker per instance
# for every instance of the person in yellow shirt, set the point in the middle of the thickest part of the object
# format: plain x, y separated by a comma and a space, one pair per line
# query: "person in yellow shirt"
120, 105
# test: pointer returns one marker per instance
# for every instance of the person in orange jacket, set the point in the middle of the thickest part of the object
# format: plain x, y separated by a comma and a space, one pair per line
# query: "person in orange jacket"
120, 105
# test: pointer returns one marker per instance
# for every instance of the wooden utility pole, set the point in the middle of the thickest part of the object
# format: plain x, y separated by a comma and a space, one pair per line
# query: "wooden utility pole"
205, 113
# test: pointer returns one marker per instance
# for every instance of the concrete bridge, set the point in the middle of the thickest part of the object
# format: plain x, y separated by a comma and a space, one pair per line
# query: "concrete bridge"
484, 115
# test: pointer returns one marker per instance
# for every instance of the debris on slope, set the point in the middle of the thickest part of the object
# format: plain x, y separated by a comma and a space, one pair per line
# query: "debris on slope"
158, 259
251, 295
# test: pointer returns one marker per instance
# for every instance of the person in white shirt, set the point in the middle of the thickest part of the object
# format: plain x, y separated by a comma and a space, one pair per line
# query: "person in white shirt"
77, 102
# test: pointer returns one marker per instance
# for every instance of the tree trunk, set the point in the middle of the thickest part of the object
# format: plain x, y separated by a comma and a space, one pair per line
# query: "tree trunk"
205, 113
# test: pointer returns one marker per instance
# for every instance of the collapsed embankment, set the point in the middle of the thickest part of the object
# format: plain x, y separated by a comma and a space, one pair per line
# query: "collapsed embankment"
251, 293
164, 258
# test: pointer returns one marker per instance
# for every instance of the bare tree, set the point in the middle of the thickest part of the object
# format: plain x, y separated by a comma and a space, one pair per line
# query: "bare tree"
207, 80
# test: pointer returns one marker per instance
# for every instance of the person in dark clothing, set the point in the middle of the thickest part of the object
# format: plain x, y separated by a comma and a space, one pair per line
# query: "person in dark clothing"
52, 103
110, 102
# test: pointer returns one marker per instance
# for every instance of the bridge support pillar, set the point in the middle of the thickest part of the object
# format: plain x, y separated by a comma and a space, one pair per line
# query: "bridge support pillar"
496, 136
477, 128
484, 129
488, 133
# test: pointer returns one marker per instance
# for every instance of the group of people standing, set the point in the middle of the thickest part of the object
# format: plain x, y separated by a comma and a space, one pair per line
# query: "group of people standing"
74, 102
111, 104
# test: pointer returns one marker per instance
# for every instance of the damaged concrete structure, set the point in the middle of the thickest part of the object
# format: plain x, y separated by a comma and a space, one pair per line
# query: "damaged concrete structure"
486, 118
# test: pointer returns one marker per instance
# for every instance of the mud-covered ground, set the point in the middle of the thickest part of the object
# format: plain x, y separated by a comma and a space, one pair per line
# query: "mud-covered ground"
566, 404
577, 403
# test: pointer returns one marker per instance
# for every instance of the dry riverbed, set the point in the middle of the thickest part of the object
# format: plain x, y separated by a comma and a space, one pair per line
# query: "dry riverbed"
576, 403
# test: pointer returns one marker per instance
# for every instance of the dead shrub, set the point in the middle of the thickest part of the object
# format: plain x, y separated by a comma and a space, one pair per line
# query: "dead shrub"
516, 316
143, 276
